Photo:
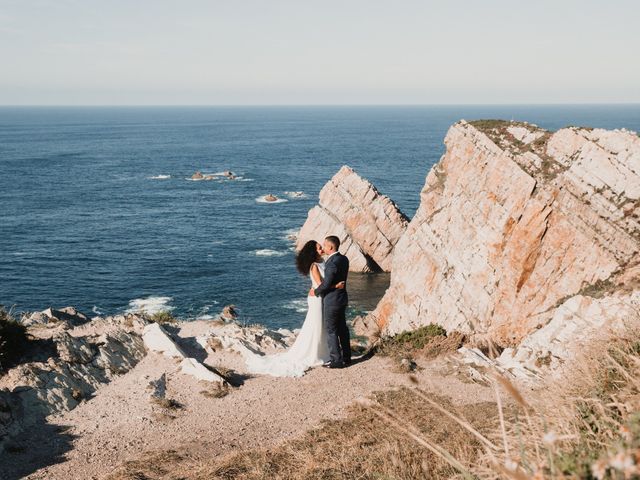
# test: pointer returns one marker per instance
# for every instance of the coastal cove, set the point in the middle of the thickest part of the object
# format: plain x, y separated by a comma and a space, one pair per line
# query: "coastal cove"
98, 210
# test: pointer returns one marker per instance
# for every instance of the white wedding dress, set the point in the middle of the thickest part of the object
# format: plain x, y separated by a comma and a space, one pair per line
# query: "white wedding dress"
310, 348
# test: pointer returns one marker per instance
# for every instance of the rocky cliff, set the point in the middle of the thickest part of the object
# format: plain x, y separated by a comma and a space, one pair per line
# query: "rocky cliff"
71, 358
521, 230
368, 223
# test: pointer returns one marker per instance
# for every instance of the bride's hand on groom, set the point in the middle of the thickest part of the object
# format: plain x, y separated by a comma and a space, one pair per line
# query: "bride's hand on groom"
339, 285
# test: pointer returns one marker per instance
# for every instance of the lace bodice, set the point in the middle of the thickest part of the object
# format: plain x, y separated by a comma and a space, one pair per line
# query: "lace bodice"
321, 268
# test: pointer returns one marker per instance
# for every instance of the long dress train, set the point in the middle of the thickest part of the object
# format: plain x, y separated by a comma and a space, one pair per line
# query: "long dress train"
310, 348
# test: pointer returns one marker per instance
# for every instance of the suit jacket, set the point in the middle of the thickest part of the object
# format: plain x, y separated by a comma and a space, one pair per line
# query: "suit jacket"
336, 270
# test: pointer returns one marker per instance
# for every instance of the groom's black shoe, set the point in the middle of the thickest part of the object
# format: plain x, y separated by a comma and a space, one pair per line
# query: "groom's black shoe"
334, 365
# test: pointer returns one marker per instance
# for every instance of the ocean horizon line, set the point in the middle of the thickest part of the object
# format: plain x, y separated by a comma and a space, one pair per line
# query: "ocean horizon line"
328, 105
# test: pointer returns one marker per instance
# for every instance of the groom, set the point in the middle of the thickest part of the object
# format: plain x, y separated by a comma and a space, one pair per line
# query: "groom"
334, 303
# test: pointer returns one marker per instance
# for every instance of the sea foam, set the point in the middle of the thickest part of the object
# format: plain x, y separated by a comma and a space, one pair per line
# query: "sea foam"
267, 252
296, 195
299, 306
150, 305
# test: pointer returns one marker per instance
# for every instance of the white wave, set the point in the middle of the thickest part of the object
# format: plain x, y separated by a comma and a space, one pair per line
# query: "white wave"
150, 305
263, 199
159, 177
204, 314
296, 195
96, 310
299, 306
267, 252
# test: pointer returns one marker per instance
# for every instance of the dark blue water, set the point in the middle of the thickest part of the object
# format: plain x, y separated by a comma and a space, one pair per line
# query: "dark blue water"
82, 223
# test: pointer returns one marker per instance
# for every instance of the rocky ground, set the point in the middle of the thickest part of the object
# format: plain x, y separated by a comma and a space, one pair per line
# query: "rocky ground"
159, 405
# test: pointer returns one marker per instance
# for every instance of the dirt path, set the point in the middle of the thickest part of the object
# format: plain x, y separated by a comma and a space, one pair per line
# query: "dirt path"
121, 423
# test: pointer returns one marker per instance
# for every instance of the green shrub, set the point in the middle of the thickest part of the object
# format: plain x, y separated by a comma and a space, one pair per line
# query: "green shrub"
163, 316
422, 340
416, 339
13, 340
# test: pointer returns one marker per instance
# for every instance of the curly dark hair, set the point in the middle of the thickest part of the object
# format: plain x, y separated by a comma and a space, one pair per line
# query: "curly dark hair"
307, 256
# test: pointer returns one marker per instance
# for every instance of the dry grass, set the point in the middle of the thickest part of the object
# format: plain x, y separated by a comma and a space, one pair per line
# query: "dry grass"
586, 426
167, 403
376, 441
497, 131
216, 391
224, 372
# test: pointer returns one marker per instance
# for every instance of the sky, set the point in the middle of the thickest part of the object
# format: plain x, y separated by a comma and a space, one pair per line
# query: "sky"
306, 52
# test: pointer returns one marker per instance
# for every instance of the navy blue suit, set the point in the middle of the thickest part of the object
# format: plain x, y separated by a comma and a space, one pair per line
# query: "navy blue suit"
334, 307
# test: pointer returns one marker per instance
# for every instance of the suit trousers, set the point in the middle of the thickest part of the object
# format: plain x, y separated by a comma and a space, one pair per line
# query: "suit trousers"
338, 333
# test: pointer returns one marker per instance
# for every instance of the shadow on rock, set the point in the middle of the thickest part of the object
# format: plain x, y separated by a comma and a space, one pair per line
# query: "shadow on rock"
191, 347
37, 447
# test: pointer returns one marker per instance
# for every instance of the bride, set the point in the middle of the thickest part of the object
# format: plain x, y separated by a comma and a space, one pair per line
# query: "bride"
310, 348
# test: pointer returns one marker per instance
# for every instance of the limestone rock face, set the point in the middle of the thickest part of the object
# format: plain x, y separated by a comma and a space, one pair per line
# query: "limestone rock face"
158, 340
68, 316
82, 359
234, 337
514, 221
368, 223
191, 366
574, 325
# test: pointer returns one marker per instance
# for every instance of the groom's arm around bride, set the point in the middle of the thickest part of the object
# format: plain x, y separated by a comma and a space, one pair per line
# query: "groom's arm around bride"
328, 283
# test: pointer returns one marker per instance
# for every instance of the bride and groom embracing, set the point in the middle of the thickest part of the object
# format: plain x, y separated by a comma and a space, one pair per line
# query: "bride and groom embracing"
324, 336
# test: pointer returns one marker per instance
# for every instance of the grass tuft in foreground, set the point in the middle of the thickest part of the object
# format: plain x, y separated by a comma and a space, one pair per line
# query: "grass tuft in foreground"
587, 426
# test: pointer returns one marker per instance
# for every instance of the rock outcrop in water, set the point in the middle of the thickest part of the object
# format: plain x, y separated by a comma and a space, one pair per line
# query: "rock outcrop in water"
368, 223
523, 237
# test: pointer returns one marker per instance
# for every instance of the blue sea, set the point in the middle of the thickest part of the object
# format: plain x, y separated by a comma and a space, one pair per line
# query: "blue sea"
97, 209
